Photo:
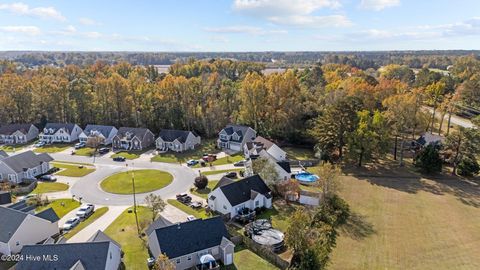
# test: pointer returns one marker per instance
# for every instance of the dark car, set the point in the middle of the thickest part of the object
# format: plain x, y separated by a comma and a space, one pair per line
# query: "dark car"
119, 158
185, 199
240, 163
231, 175
103, 150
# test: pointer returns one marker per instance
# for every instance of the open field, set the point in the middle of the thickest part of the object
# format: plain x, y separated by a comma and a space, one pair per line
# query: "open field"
124, 231
46, 187
52, 148
72, 170
410, 223
200, 213
96, 215
145, 181
207, 146
61, 206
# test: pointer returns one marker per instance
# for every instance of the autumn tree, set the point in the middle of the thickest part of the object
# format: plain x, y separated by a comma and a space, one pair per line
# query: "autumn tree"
155, 204
266, 169
464, 144
163, 263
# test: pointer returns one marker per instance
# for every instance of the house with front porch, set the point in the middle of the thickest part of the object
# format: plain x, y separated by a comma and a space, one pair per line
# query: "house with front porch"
234, 137
18, 133
94, 135
60, 133
176, 140
129, 138
191, 244
24, 166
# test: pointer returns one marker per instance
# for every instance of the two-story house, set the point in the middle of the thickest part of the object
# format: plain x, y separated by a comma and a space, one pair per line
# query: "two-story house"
129, 138
234, 137
18, 133
176, 140
189, 244
94, 135
60, 133
254, 148
24, 166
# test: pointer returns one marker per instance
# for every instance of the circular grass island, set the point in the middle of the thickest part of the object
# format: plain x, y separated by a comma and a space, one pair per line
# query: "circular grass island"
145, 181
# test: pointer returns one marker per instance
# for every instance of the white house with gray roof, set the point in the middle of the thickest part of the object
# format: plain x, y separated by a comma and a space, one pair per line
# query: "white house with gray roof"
60, 133
18, 133
176, 140
94, 134
18, 228
234, 137
24, 166
130, 138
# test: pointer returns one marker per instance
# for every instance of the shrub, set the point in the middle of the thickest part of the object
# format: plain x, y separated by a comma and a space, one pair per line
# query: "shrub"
429, 160
201, 182
468, 167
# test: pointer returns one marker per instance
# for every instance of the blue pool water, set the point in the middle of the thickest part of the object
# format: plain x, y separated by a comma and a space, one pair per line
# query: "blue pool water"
306, 177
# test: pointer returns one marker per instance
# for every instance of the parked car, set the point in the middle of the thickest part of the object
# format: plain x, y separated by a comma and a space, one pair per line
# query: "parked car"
85, 211
103, 150
190, 218
209, 157
231, 174
240, 163
181, 195
192, 162
185, 199
48, 177
196, 205
119, 158
71, 223
39, 144
80, 145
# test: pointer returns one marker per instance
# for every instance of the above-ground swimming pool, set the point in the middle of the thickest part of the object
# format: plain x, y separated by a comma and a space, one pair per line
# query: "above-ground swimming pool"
306, 178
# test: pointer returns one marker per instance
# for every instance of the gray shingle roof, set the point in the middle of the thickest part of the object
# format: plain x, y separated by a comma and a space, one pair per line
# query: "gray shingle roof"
240, 191
157, 224
48, 214
188, 237
92, 255
264, 142
223, 181
239, 129
100, 236
26, 160
138, 132
56, 126
5, 197
12, 128
3, 154
169, 135
104, 130
9, 222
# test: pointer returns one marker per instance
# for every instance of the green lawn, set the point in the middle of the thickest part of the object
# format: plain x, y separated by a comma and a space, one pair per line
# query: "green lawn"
73, 170
280, 213
72, 162
96, 215
61, 210
85, 151
207, 146
297, 153
145, 181
46, 187
127, 154
124, 231
16, 147
409, 223
220, 171
224, 160
52, 148
245, 259
204, 192
200, 213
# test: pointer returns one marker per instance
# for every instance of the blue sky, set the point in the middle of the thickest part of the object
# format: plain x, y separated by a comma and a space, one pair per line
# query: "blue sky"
239, 25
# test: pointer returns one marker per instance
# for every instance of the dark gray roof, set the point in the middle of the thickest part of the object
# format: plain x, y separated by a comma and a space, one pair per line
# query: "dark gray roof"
157, 224
9, 222
240, 191
100, 236
104, 130
26, 160
48, 214
56, 126
92, 255
239, 129
3, 154
5, 197
169, 135
22, 206
285, 166
12, 128
192, 236
138, 132
223, 181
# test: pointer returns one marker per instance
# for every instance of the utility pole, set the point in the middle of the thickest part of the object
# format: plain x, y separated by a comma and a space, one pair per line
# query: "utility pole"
134, 199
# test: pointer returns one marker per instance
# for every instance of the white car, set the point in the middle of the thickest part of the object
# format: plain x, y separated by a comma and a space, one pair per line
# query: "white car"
39, 144
190, 218
85, 211
80, 145
71, 223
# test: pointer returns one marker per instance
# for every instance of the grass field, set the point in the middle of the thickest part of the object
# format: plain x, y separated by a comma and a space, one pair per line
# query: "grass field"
61, 210
124, 231
127, 154
244, 259
224, 160
297, 153
72, 170
220, 171
72, 162
96, 215
200, 213
207, 146
85, 151
49, 187
52, 148
280, 213
145, 181
12, 148
410, 223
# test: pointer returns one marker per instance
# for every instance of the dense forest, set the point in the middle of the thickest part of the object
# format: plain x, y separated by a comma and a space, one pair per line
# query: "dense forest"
362, 60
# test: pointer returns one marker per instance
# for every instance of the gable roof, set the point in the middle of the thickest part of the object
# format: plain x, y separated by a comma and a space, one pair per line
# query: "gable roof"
5, 197
22, 206
264, 142
138, 132
12, 128
92, 256
56, 126
223, 181
157, 224
239, 129
9, 223
285, 166
48, 214
100, 236
240, 191
104, 130
3, 154
26, 160
170, 135
191, 236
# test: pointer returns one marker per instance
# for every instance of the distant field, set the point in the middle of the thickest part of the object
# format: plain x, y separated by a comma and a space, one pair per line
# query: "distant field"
410, 223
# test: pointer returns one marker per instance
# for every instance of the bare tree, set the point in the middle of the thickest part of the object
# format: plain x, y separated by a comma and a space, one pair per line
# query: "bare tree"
155, 204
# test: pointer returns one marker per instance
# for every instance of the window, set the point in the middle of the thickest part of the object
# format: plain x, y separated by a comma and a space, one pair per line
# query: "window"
257, 203
178, 261
189, 257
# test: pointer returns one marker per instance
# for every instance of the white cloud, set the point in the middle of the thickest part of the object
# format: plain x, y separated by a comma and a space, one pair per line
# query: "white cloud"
243, 29
378, 5
87, 21
92, 34
41, 12
28, 30
296, 13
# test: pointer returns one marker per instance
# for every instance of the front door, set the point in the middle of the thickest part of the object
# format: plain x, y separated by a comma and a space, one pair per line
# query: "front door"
229, 259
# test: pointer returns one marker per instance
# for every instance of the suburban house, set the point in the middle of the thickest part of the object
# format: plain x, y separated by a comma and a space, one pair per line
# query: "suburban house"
24, 166
94, 135
60, 133
129, 138
190, 243
234, 137
18, 229
18, 133
176, 140
254, 148
230, 197
100, 252
429, 138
